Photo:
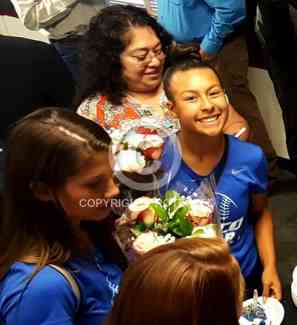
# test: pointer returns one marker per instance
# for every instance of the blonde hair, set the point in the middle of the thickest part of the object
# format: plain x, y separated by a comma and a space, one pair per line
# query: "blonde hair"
191, 281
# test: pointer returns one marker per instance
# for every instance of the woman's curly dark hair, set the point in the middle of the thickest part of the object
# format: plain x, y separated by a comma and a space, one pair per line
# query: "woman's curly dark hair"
103, 44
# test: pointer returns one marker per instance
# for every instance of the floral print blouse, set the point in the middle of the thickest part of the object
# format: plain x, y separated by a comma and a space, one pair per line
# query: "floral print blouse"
130, 113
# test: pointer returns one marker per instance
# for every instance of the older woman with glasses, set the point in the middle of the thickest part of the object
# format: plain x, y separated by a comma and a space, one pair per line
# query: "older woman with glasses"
123, 60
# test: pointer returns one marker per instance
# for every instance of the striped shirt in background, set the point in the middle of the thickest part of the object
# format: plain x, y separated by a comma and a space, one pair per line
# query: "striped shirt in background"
61, 18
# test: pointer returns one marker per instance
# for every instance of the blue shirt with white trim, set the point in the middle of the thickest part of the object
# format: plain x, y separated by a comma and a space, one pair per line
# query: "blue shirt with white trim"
49, 299
243, 173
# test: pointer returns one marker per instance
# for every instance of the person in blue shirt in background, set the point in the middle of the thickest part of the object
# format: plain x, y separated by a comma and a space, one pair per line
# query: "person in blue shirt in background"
58, 190
218, 27
198, 99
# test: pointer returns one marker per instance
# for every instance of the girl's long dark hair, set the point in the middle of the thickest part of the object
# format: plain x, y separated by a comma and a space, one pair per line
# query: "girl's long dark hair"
46, 147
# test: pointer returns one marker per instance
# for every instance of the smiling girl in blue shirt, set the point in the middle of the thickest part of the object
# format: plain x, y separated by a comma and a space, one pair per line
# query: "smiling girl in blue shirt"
56, 163
199, 101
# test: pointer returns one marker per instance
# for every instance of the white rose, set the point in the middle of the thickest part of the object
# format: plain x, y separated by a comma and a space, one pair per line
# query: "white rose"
139, 205
151, 141
133, 139
116, 135
149, 240
129, 161
199, 208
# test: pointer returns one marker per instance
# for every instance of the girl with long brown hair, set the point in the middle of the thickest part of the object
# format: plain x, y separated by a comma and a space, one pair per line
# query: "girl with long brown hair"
58, 190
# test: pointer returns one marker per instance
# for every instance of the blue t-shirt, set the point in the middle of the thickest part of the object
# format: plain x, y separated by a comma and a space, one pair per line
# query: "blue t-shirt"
49, 299
243, 172
206, 21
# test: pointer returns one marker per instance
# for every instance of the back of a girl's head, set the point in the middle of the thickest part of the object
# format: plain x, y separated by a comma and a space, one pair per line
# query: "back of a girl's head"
46, 147
192, 281
182, 58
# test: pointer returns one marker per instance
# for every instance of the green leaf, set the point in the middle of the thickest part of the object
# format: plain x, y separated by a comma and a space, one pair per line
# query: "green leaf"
185, 227
176, 205
141, 227
181, 213
197, 233
177, 231
211, 230
171, 197
159, 211
174, 221
179, 224
135, 232
173, 224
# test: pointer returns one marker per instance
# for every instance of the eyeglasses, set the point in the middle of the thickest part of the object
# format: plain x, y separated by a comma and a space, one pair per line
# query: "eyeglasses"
148, 57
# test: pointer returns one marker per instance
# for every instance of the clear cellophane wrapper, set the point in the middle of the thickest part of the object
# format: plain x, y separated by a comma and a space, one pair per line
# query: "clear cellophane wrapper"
152, 221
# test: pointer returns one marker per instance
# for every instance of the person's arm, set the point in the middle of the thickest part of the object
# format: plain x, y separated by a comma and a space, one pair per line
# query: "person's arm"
228, 13
264, 234
41, 14
236, 125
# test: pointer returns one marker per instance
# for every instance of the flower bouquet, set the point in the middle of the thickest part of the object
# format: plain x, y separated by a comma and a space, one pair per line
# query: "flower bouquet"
150, 222
136, 156
134, 148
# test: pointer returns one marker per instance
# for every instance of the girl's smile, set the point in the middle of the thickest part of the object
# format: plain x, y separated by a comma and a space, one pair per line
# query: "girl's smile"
212, 119
199, 101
